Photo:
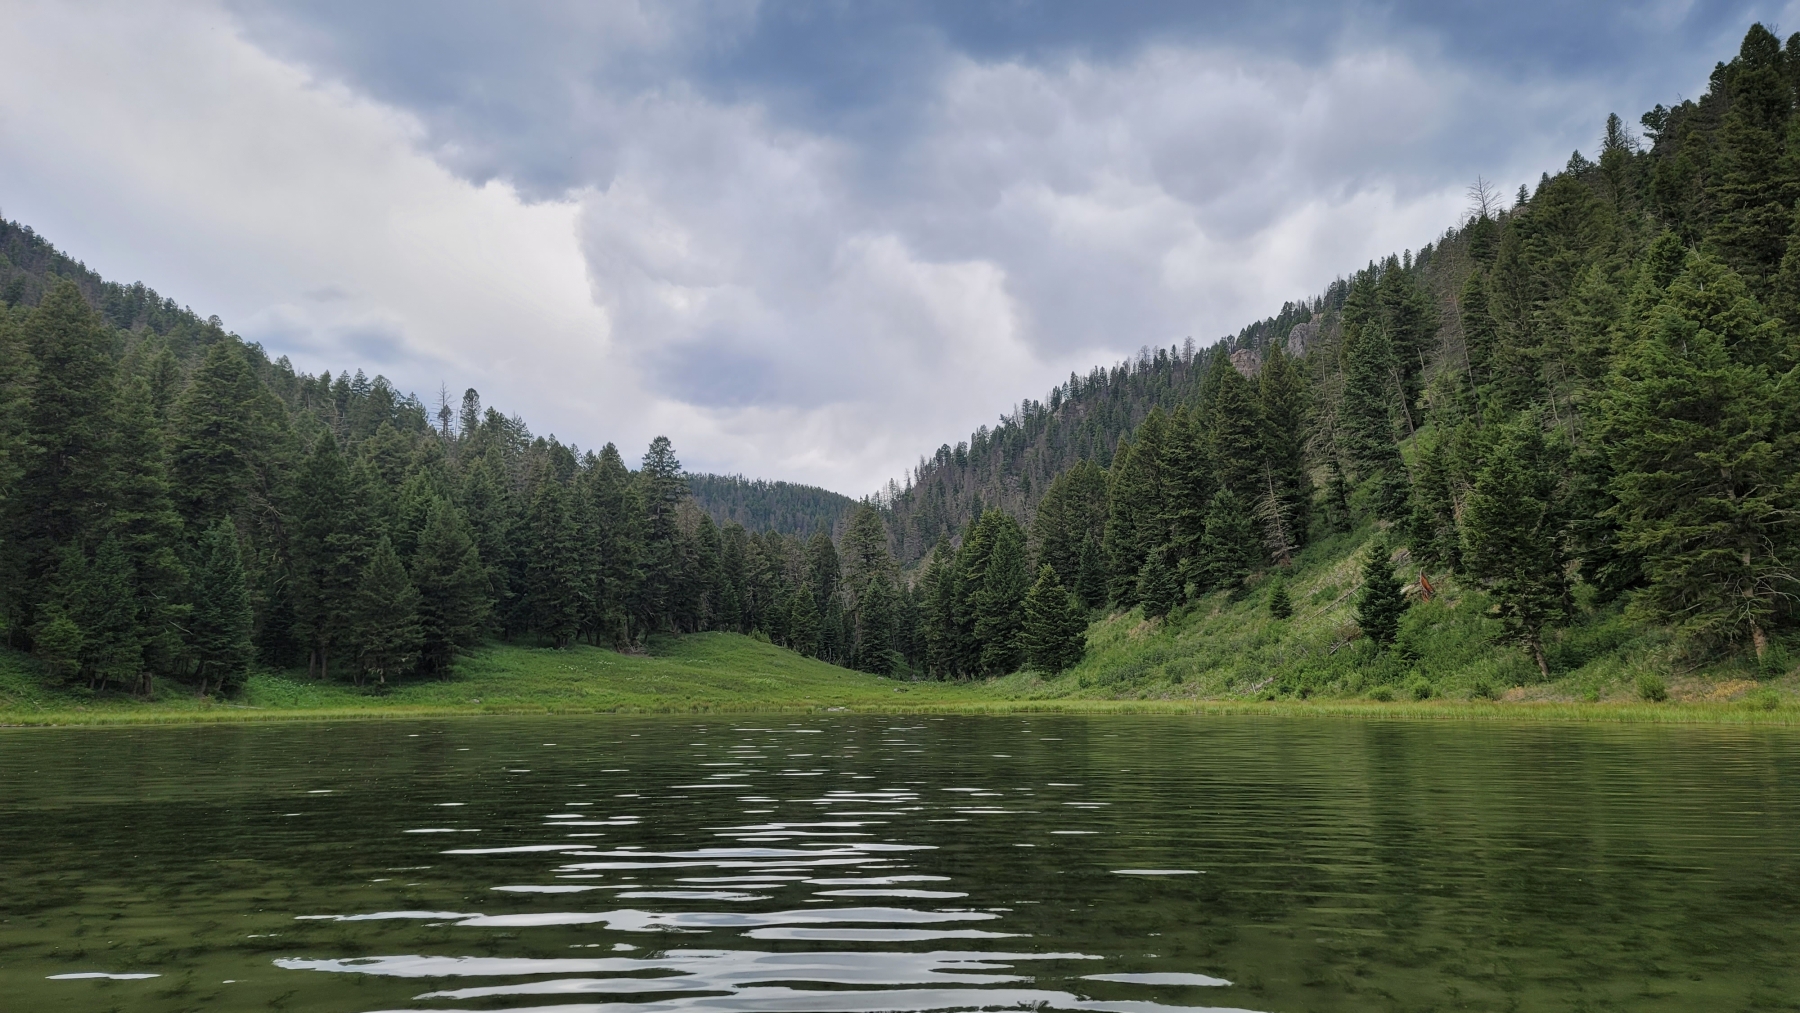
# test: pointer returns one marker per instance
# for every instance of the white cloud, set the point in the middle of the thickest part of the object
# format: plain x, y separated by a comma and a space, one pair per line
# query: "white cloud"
780, 301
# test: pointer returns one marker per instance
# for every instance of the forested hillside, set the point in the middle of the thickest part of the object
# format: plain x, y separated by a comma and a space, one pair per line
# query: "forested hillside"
1581, 405
761, 505
178, 505
1581, 400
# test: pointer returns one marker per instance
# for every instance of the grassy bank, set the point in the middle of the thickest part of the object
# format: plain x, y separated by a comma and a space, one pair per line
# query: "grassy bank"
717, 672
1448, 658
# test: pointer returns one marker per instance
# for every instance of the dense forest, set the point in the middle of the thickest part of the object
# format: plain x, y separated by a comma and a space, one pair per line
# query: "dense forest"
178, 505
1582, 398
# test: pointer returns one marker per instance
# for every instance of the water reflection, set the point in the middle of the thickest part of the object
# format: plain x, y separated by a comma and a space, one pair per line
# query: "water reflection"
768, 889
878, 864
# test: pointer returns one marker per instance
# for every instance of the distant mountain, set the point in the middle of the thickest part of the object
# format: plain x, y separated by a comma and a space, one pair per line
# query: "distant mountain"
761, 505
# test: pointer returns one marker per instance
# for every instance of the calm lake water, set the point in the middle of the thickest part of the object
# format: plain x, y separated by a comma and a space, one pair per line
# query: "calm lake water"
865, 864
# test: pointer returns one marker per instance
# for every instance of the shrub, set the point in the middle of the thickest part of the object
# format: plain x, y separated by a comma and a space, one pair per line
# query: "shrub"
1483, 690
1651, 687
1419, 688
1381, 693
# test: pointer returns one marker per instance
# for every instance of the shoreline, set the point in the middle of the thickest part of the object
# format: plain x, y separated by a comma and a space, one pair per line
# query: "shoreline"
1668, 713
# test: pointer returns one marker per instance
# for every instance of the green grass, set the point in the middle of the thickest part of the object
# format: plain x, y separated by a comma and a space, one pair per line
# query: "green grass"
1218, 655
1448, 658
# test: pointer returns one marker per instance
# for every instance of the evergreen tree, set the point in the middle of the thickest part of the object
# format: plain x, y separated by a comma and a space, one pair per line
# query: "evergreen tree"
1188, 485
487, 502
215, 436
1231, 549
1479, 333
1284, 402
453, 589
219, 628
1366, 425
553, 573
1703, 472
941, 619
823, 569
329, 547
1090, 579
803, 621
67, 455
619, 521
385, 623
1157, 590
1072, 512
662, 487
1513, 537
1235, 432
875, 627
1281, 605
58, 638
1135, 508
1383, 600
998, 605
1755, 188
1054, 635
148, 530
1433, 528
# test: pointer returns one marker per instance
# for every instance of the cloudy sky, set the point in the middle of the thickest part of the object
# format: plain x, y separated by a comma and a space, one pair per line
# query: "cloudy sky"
806, 240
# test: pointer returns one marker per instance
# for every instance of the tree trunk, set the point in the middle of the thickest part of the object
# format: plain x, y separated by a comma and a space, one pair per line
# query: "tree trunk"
1537, 654
1759, 638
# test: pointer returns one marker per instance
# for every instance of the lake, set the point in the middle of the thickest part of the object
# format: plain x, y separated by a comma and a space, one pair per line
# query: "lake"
857, 863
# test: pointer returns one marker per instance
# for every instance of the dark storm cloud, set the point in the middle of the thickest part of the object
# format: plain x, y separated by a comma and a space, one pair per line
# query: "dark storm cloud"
510, 89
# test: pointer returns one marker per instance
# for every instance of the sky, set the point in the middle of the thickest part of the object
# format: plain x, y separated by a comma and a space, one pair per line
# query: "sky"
807, 241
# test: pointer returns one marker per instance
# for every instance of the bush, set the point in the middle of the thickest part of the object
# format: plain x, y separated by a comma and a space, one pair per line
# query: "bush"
1381, 693
1418, 688
1651, 687
1483, 690
1765, 699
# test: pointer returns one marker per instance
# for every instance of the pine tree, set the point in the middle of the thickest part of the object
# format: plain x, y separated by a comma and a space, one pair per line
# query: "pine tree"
1433, 528
1188, 486
149, 532
385, 623
1231, 548
942, 619
15, 386
553, 573
453, 589
487, 502
803, 621
1054, 635
1284, 402
215, 436
58, 638
1513, 537
1479, 333
875, 626
329, 548
1072, 511
68, 420
662, 486
998, 605
1235, 431
1136, 498
1090, 578
1157, 590
1281, 605
618, 513
219, 627
1703, 471
1383, 599
1755, 189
